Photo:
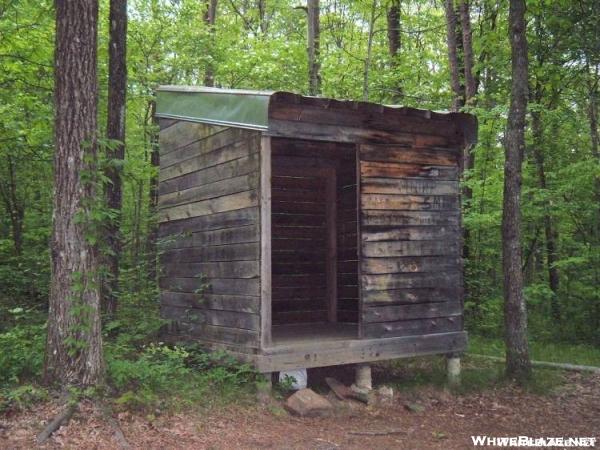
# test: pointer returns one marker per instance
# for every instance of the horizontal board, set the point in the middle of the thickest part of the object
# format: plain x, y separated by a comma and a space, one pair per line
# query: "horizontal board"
212, 190
241, 303
229, 319
225, 335
183, 133
281, 232
217, 140
409, 264
409, 202
230, 169
228, 219
231, 202
412, 327
233, 252
408, 218
298, 280
297, 267
393, 313
220, 286
237, 150
279, 207
223, 236
414, 295
389, 249
408, 186
289, 317
386, 282
283, 305
304, 292
226, 269
294, 182
339, 133
410, 234
397, 170
294, 195
410, 155
396, 120
307, 220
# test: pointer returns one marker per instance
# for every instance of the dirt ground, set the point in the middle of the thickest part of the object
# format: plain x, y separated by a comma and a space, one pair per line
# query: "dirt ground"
445, 421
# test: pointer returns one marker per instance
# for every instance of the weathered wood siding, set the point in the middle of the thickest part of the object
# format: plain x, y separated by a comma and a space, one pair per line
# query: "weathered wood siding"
209, 226
411, 271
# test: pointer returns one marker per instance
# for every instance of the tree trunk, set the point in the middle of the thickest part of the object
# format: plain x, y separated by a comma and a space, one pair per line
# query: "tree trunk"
453, 63
210, 18
549, 230
74, 344
394, 40
115, 130
470, 93
465, 22
393, 29
14, 207
262, 18
153, 203
515, 313
314, 60
367, 66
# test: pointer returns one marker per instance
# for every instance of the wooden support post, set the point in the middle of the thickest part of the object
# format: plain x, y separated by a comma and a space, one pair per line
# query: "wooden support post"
265, 242
363, 377
453, 369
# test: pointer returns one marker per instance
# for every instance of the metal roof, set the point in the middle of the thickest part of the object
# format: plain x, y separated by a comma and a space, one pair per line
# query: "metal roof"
230, 107
252, 109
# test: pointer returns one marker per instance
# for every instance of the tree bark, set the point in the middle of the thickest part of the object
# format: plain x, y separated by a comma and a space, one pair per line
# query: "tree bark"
14, 206
115, 130
453, 63
210, 18
549, 229
465, 22
314, 52
393, 29
74, 344
470, 93
153, 200
367, 66
518, 365
394, 40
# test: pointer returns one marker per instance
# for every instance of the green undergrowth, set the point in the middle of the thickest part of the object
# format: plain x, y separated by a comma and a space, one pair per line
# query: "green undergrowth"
587, 355
476, 375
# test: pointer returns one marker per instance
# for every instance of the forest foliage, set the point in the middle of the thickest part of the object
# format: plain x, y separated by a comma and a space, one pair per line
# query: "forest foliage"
262, 45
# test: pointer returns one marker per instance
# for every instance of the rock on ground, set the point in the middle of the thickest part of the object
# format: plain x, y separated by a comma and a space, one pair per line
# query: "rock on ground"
307, 403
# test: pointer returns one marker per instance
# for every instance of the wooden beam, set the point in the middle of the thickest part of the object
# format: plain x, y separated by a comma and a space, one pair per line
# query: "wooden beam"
265, 243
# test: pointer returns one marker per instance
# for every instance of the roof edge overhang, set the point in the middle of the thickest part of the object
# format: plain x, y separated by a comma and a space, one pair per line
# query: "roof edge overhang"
251, 109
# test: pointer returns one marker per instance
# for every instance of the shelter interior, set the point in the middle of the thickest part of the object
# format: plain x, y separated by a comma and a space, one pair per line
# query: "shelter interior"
314, 258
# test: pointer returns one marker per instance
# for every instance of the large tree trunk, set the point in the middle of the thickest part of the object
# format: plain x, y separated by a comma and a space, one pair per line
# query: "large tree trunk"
115, 130
210, 18
74, 344
314, 59
515, 313
453, 59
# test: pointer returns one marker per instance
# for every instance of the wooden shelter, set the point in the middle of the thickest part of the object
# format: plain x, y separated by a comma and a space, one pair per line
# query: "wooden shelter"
301, 232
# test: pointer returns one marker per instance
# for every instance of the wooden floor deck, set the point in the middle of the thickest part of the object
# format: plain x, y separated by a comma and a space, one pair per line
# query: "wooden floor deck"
307, 333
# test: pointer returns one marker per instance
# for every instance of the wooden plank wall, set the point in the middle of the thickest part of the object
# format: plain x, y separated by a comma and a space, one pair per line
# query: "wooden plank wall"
209, 226
347, 241
299, 227
411, 271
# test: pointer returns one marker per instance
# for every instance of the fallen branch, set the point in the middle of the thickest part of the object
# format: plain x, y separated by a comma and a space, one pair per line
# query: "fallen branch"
377, 433
551, 365
57, 422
